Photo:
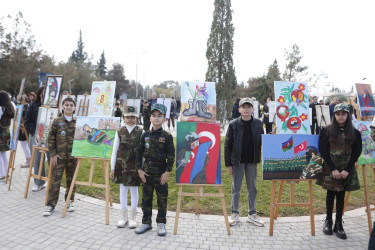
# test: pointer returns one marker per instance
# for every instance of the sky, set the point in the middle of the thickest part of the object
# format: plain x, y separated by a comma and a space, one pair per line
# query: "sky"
167, 39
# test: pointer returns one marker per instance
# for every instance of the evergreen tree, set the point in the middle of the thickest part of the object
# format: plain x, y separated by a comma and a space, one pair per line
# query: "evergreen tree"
117, 73
79, 56
293, 71
272, 76
101, 70
219, 55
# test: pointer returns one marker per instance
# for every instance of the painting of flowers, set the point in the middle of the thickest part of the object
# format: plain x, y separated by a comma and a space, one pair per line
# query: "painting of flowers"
102, 98
292, 108
198, 102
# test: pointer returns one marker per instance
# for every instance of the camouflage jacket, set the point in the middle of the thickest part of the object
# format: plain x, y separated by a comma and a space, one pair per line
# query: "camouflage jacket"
146, 113
157, 148
60, 137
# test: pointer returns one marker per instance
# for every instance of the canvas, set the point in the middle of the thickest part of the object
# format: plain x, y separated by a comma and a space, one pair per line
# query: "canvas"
166, 102
43, 124
272, 111
198, 158
365, 99
133, 102
16, 127
94, 136
292, 108
19, 96
256, 109
82, 100
63, 97
52, 91
198, 102
102, 99
290, 156
368, 145
322, 114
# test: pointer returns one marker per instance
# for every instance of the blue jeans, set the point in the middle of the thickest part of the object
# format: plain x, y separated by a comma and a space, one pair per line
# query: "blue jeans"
36, 162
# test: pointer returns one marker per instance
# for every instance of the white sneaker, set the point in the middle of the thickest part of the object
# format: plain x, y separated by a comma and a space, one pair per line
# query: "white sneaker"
234, 220
132, 220
48, 211
71, 208
255, 220
124, 218
161, 229
37, 188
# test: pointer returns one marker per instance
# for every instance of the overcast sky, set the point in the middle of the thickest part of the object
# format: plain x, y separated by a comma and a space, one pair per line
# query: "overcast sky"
167, 39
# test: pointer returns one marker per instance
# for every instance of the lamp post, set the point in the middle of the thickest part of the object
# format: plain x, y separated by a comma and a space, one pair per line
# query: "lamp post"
136, 70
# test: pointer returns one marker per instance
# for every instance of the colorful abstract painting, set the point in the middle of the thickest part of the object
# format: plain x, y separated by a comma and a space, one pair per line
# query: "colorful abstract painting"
167, 103
82, 105
102, 99
43, 124
292, 108
368, 145
290, 156
198, 102
16, 127
94, 136
52, 91
365, 99
198, 158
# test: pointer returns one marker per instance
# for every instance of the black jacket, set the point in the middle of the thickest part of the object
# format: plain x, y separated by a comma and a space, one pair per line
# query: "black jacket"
233, 141
31, 117
313, 107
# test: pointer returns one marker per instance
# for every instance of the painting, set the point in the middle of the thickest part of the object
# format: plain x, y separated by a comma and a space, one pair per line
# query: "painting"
322, 114
43, 124
63, 97
292, 108
256, 109
167, 103
365, 99
94, 136
132, 102
19, 96
83, 102
102, 99
368, 145
16, 127
198, 102
291, 157
198, 158
272, 110
52, 91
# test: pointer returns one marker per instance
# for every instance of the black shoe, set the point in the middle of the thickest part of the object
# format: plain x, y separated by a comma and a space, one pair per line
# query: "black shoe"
327, 228
339, 230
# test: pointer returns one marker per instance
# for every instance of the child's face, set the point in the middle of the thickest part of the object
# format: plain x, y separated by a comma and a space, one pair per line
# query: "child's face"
130, 120
157, 118
69, 108
246, 110
194, 144
341, 117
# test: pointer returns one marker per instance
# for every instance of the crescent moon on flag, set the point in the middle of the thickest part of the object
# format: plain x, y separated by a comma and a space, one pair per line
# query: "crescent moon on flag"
209, 135
192, 155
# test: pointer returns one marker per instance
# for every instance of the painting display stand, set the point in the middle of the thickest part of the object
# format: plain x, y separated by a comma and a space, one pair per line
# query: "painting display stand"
105, 166
83, 107
12, 157
275, 204
199, 193
43, 151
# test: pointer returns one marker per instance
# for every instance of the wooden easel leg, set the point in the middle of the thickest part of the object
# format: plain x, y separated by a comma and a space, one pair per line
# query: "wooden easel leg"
224, 209
104, 173
311, 202
196, 201
272, 207
9, 166
11, 161
41, 164
178, 209
107, 193
279, 198
49, 180
30, 170
368, 211
71, 187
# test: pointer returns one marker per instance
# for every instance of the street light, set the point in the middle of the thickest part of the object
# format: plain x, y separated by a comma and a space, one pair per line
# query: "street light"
136, 71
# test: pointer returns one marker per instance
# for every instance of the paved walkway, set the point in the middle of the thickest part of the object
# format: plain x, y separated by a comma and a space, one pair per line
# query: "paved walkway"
22, 226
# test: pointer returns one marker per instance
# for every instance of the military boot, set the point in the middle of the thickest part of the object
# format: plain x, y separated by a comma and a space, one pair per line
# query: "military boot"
339, 230
124, 218
202, 110
192, 110
327, 228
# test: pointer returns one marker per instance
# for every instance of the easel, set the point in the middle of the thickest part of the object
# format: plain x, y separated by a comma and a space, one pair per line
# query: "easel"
199, 193
84, 107
105, 166
275, 204
322, 118
43, 152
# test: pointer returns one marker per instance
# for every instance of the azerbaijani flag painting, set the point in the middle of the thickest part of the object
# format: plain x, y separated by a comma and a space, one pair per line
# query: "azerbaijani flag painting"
198, 158
287, 144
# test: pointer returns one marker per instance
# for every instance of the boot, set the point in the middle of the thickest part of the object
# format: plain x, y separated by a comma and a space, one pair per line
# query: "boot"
339, 230
26, 164
132, 220
202, 110
327, 228
192, 110
124, 218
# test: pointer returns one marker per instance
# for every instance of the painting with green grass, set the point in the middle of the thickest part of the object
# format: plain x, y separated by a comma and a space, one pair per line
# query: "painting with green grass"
94, 136
368, 145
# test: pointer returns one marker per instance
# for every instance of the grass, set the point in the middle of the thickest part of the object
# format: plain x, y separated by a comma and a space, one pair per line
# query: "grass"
213, 205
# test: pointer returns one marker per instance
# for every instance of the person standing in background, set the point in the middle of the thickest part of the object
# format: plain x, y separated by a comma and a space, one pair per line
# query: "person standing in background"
118, 112
266, 118
235, 112
335, 101
178, 107
314, 127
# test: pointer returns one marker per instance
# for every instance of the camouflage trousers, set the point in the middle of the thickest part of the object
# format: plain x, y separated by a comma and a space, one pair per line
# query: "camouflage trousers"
57, 172
153, 182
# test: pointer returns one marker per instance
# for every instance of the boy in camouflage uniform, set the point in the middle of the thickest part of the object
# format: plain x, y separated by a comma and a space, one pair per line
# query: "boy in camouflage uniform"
60, 143
156, 147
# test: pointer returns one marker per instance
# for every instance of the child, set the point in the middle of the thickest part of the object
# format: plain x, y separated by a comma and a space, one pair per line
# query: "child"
123, 165
156, 146
340, 145
146, 116
60, 143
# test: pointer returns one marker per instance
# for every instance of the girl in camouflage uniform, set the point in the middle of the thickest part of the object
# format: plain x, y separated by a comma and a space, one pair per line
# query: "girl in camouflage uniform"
340, 145
123, 169
7, 109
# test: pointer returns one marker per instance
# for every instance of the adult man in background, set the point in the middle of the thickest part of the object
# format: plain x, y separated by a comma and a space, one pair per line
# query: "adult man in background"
335, 101
314, 126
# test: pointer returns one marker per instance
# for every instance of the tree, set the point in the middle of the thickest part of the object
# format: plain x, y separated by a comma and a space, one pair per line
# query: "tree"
293, 72
101, 70
117, 73
79, 56
219, 55
273, 75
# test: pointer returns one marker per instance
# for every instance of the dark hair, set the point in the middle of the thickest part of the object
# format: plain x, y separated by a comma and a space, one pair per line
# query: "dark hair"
237, 101
6, 104
333, 129
68, 99
38, 93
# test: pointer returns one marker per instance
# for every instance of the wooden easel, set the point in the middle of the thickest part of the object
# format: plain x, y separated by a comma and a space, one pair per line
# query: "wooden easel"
84, 107
199, 193
275, 204
105, 166
43, 151
12, 158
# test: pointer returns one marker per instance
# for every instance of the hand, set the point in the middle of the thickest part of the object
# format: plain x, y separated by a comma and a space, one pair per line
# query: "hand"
336, 174
273, 131
54, 159
142, 174
164, 178
344, 174
230, 170
266, 115
183, 161
112, 174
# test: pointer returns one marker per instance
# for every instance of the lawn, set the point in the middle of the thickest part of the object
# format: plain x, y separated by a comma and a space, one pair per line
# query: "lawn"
213, 205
